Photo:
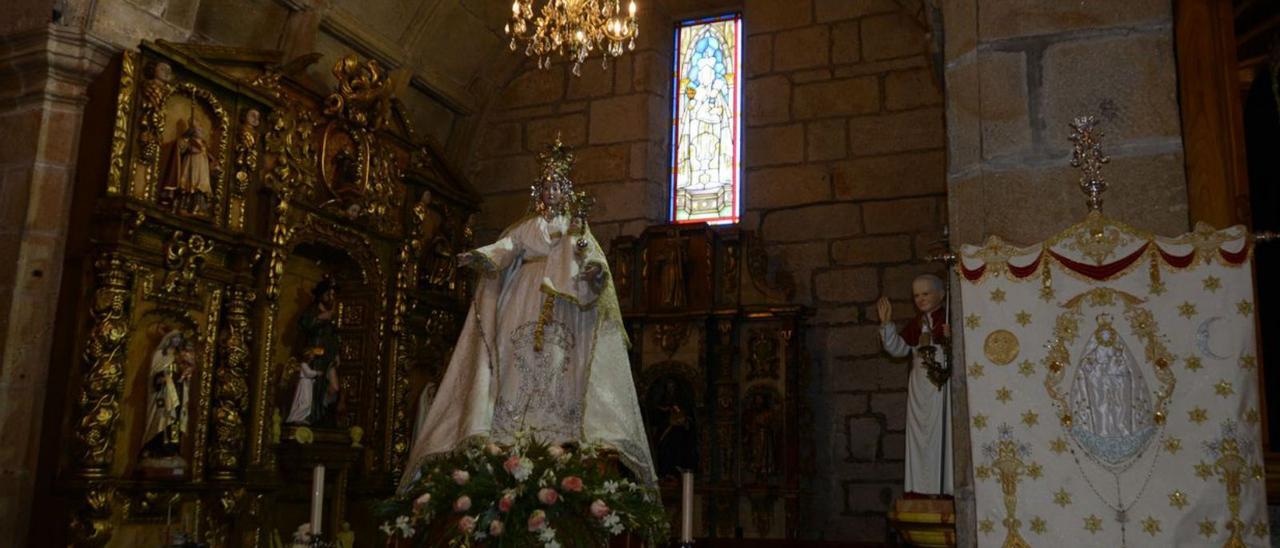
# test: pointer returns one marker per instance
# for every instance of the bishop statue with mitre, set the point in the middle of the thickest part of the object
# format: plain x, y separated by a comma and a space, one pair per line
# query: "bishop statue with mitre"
543, 349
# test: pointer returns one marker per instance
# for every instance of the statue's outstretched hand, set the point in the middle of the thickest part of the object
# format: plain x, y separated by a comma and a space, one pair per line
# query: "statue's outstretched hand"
884, 309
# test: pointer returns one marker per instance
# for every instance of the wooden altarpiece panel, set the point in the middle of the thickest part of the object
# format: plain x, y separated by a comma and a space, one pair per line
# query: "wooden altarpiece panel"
719, 362
215, 194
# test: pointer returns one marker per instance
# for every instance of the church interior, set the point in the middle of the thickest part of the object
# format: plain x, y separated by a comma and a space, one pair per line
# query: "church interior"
823, 273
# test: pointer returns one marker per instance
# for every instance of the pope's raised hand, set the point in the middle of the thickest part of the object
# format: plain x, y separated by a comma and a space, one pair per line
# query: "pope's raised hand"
885, 310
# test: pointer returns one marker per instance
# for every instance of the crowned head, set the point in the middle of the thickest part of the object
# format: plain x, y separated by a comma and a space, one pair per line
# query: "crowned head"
553, 193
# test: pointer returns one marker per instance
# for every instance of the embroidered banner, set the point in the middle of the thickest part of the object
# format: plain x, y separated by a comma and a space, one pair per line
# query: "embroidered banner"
1113, 389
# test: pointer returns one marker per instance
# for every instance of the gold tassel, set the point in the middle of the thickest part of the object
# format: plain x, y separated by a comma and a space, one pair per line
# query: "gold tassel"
548, 304
1157, 286
1046, 278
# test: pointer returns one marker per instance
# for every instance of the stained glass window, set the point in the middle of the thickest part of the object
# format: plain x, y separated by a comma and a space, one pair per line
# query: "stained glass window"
705, 126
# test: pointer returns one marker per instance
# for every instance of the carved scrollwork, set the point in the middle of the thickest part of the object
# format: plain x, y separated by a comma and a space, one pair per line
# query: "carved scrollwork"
671, 336
91, 525
364, 95
246, 151
99, 401
120, 131
231, 393
184, 256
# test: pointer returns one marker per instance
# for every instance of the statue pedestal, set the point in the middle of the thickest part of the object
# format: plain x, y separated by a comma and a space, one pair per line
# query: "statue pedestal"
927, 521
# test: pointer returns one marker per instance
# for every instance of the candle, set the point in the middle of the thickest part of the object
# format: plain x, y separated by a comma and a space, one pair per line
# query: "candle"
686, 507
317, 498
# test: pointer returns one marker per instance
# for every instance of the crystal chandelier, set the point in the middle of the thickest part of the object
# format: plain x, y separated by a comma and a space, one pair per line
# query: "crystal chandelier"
573, 29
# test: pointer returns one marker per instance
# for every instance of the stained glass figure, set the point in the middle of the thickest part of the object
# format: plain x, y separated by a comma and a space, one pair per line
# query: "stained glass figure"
707, 106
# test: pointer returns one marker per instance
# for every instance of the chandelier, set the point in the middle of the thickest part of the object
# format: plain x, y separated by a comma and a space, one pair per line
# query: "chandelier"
572, 29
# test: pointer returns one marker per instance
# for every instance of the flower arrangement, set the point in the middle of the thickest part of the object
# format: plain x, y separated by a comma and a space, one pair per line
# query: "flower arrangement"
526, 494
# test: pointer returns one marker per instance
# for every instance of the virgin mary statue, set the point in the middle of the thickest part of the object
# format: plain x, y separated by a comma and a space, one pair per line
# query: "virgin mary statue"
543, 350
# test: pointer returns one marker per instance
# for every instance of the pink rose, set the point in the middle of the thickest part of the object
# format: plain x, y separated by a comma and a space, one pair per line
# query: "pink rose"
462, 504
599, 509
461, 477
495, 528
467, 524
421, 502
506, 502
519, 467
537, 520
548, 496
555, 451
572, 484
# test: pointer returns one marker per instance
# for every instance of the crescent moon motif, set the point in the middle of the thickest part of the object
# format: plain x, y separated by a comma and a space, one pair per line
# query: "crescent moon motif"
1202, 339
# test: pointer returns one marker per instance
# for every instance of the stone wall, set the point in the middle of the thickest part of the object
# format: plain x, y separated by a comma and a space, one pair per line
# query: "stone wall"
1018, 71
844, 166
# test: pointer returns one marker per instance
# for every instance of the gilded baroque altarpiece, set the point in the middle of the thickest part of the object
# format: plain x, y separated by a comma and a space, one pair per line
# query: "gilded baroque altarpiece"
216, 191
1113, 389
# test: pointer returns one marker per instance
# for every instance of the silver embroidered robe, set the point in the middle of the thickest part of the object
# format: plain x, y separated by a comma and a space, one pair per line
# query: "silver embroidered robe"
543, 349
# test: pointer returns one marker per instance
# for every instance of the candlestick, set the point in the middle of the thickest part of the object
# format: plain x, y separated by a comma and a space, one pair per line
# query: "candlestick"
317, 499
686, 508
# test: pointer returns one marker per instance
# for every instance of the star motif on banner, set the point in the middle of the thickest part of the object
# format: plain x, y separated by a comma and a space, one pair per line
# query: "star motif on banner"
982, 472
979, 421
1030, 418
986, 526
975, 370
1093, 524
1023, 318
1058, 445
1260, 529
1034, 470
1208, 528
1223, 388
1027, 368
1178, 499
1038, 526
1248, 362
1186, 309
1062, 498
1151, 526
1172, 445
1257, 471
1212, 283
1251, 416
1204, 471
1244, 307
1197, 415
972, 321
1193, 363
997, 296
1004, 395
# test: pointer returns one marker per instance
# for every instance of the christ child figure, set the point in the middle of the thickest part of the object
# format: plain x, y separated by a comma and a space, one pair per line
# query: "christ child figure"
924, 339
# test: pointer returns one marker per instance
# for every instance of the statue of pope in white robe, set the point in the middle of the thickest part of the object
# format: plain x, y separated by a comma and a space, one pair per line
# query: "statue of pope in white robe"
543, 349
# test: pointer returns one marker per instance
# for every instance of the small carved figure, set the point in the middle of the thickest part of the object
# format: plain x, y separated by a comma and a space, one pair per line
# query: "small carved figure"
187, 186
762, 441
318, 369
173, 365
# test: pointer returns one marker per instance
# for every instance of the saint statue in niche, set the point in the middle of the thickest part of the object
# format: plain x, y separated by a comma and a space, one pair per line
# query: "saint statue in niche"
172, 370
674, 431
760, 426
925, 339
187, 185
316, 396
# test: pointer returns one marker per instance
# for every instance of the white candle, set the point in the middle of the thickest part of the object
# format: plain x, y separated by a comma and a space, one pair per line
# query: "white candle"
317, 498
686, 507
